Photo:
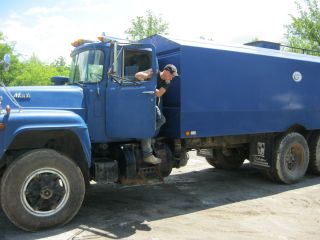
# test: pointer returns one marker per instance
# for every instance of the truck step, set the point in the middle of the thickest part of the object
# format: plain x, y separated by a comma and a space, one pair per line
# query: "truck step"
145, 175
150, 172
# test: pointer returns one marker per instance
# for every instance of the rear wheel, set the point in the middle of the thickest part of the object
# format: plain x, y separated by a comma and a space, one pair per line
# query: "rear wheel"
291, 158
231, 159
42, 189
314, 145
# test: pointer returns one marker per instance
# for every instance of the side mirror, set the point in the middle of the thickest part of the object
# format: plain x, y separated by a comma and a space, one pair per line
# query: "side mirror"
6, 62
59, 80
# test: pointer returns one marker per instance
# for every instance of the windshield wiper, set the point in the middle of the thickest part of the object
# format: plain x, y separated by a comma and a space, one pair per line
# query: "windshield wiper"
77, 83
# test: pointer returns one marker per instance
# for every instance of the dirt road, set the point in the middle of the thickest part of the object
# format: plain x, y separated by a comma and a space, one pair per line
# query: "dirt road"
195, 202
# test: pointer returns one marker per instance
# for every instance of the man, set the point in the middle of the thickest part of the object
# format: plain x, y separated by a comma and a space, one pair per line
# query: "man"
163, 83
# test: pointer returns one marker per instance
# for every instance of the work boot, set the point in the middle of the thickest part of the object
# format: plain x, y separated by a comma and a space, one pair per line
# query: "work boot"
152, 160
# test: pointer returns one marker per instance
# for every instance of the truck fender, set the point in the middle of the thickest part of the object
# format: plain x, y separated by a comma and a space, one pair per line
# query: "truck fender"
52, 120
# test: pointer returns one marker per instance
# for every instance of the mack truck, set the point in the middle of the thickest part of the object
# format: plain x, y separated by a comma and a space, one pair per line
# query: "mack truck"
230, 103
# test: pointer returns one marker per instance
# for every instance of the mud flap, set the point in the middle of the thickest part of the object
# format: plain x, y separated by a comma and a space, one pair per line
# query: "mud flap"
106, 171
261, 149
134, 170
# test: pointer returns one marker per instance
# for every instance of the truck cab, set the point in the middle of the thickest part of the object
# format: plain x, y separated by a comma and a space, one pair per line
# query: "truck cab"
118, 107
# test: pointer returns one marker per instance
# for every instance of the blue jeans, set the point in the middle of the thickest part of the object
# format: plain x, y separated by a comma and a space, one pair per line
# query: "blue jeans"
146, 143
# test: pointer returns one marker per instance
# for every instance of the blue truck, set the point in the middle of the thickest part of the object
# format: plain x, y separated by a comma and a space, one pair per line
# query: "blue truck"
230, 103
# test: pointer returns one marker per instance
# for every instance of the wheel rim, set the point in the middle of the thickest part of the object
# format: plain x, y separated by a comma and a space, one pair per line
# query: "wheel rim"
45, 192
294, 157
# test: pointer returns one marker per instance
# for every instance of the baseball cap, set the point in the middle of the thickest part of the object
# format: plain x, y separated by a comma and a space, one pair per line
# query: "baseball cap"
172, 69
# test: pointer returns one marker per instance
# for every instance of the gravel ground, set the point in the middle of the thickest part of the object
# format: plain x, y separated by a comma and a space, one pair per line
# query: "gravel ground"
195, 202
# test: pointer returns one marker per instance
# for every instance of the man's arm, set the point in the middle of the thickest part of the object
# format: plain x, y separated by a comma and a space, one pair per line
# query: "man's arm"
160, 92
144, 75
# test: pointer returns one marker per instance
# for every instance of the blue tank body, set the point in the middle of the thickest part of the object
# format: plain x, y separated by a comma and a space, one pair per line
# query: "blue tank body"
225, 90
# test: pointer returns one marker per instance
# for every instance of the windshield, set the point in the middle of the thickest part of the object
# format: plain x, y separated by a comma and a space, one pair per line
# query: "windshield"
87, 67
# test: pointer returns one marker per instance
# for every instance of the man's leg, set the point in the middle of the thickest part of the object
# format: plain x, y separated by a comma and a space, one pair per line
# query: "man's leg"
146, 143
147, 152
160, 119
146, 147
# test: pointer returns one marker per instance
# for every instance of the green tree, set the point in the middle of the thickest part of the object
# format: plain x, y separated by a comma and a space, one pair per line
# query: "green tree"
304, 30
36, 72
33, 72
61, 66
30, 72
7, 47
145, 26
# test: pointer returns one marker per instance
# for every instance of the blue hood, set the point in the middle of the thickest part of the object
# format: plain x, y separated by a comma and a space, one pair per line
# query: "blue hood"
49, 97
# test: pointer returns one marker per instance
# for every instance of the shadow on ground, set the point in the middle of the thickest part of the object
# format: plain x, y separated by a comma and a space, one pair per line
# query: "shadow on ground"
116, 212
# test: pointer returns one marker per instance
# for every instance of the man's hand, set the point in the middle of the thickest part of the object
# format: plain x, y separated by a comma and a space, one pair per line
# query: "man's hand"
149, 74
141, 76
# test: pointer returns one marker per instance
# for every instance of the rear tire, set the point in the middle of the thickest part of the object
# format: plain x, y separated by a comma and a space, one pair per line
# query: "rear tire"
291, 158
42, 189
314, 145
229, 162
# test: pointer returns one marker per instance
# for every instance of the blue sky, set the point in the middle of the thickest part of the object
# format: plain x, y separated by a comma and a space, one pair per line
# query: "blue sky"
47, 27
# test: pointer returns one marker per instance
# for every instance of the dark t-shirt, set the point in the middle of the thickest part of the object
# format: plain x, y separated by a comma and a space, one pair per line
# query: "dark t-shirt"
161, 83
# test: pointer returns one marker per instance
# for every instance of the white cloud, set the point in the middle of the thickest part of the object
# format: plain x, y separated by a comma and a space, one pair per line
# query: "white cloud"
42, 10
48, 31
45, 38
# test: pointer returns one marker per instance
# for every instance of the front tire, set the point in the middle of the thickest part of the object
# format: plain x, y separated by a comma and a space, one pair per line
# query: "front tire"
42, 189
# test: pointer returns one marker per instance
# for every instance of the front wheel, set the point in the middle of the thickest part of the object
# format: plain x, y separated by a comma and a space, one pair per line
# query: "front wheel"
42, 189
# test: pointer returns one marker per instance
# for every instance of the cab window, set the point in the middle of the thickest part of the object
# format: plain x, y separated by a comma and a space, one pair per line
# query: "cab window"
135, 61
87, 67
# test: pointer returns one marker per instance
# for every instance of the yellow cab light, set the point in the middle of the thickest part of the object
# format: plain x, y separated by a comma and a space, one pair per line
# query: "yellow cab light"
101, 38
77, 42
106, 39
80, 41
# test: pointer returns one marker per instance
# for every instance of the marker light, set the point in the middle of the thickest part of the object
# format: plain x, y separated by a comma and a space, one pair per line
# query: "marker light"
101, 38
187, 133
106, 39
80, 41
77, 43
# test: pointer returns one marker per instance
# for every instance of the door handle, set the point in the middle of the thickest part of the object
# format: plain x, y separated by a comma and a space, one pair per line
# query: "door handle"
148, 92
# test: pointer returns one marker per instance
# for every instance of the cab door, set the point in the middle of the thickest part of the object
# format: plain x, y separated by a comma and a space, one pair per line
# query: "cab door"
130, 104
